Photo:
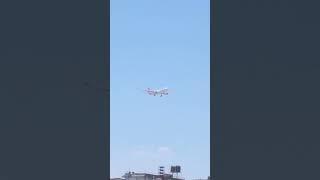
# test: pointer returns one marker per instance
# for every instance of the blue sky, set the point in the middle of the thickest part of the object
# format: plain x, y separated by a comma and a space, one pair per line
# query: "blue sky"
160, 43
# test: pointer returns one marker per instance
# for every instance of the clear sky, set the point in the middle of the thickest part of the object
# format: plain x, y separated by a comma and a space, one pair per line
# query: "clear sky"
160, 43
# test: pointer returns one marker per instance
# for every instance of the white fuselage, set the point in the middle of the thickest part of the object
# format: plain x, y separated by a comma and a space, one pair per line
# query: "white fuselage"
156, 92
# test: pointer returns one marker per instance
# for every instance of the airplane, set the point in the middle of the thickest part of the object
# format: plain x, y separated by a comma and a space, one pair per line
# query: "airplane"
155, 92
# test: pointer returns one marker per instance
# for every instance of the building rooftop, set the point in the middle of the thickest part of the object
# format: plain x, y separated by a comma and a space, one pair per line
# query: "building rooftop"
153, 176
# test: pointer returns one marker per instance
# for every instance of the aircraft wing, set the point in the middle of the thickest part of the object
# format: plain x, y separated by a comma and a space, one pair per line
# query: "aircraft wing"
164, 90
